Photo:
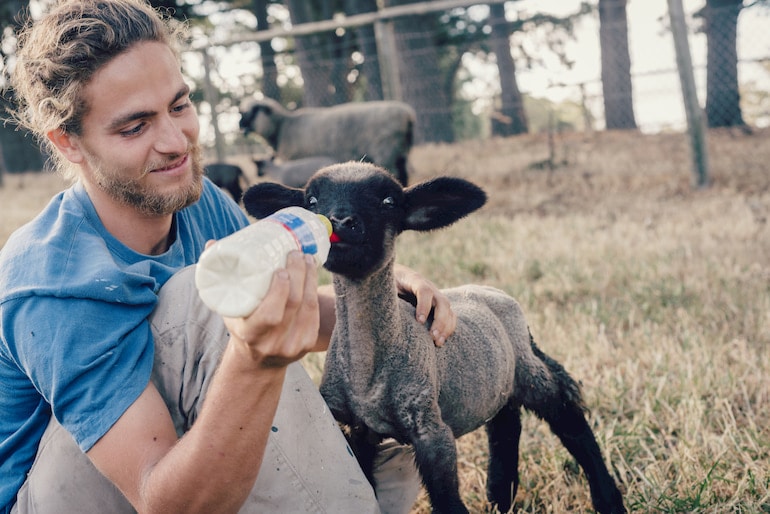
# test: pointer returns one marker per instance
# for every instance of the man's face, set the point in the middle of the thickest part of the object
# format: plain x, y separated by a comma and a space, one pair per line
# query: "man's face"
139, 139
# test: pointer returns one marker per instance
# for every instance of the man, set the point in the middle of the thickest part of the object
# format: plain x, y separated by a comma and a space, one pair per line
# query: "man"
108, 359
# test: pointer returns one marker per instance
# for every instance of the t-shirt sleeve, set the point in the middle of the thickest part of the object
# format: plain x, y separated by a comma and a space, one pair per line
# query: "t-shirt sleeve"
222, 211
89, 359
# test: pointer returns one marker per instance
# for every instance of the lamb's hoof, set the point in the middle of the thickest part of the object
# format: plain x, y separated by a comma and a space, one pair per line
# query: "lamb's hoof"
453, 508
501, 495
612, 503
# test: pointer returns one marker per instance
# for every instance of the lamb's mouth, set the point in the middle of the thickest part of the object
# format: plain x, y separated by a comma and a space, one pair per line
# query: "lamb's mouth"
338, 242
342, 245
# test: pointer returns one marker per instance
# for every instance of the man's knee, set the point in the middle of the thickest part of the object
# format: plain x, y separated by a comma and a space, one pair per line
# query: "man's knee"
189, 339
63, 479
396, 477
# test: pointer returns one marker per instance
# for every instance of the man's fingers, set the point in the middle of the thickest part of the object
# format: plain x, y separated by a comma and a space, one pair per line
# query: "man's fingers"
311, 284
286, 322
297, 268
444, 321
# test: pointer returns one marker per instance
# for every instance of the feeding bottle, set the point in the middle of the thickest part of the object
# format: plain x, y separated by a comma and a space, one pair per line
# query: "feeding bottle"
234, 274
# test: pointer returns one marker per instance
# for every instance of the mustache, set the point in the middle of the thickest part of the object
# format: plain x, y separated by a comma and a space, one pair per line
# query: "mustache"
193, 151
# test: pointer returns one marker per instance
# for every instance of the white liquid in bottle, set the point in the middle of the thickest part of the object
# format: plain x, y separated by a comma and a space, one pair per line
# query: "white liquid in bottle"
234, 274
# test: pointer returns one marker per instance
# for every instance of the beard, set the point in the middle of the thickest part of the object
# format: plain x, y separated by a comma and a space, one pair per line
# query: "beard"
135, 193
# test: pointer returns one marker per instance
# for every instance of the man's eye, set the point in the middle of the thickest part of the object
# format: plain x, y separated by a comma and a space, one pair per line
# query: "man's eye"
136, 129
181, 107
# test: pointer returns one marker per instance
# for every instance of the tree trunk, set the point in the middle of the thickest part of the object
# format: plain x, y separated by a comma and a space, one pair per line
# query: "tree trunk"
421, 76
512, 119
616, 65
723, 102
322, 57
367, 45
267, 55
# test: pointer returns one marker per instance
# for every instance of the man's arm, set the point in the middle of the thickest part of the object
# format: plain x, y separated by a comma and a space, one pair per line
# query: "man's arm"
214, 465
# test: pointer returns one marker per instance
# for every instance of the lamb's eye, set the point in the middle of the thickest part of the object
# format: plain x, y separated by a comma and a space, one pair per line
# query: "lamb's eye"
312, 201
388, 202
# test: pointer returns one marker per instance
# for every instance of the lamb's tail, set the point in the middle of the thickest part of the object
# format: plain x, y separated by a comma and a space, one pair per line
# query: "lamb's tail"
546, 386
562, 406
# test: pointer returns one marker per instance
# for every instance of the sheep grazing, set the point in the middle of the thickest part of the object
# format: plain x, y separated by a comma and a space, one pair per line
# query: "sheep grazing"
383, 375
294, 173
226, 176
377, 132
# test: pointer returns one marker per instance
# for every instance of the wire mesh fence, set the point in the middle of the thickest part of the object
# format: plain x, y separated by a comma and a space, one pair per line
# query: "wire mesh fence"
561, 75
484, 70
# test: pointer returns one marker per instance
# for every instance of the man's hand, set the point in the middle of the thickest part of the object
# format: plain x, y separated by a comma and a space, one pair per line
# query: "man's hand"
284, 327
428, 297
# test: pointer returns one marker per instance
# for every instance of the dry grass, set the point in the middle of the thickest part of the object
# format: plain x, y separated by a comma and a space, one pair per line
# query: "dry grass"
654, 295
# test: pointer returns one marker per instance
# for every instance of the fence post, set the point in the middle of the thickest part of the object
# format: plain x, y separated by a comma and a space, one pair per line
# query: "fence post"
3, 168
696, 123
385, 39
210, 96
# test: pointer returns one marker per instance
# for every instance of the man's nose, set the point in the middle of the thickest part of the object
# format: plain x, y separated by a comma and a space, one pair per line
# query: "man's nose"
171, 138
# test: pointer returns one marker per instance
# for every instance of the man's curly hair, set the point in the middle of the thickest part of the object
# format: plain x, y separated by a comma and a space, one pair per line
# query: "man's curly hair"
60, 53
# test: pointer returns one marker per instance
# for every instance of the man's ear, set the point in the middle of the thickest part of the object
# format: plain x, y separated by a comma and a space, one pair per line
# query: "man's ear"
67, 144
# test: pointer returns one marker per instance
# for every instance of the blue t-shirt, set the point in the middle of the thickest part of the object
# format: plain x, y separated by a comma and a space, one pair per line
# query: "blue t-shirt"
74, 335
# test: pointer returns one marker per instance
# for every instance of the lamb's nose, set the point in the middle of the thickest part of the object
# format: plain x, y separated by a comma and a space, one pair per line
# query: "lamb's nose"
346, 222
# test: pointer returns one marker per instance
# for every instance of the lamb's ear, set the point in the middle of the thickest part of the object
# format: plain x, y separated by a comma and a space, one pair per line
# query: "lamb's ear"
247, 116
440, 202
263, 199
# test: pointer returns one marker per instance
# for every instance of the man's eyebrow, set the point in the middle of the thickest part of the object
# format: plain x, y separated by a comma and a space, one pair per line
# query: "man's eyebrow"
183, 91
138, 115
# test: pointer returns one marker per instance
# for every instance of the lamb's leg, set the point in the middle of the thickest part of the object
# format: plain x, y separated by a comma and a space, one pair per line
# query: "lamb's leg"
364, 442
436, 459
576, 435
503, 434
562, 407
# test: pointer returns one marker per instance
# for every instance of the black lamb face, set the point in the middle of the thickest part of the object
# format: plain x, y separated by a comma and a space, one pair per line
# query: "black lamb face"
366, 207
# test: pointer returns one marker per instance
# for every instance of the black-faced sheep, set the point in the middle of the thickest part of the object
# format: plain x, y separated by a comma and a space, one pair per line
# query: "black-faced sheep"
293, 173
226, 176
377, 132
384, 377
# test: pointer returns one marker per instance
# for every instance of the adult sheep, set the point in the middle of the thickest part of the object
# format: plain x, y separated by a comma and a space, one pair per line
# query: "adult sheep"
384, 377
294, 173
378, 132
226, 176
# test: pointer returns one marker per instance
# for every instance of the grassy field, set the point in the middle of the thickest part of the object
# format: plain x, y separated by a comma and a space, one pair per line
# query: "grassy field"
653, 294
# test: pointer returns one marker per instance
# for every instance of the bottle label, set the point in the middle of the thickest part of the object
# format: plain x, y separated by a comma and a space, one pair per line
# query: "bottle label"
301, 231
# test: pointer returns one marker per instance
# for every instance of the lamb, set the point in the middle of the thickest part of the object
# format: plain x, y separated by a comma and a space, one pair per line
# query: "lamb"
384, 377
378, 132
226, 176
293, 173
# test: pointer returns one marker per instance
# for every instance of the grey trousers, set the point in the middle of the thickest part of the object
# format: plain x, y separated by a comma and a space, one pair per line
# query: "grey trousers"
308, 466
